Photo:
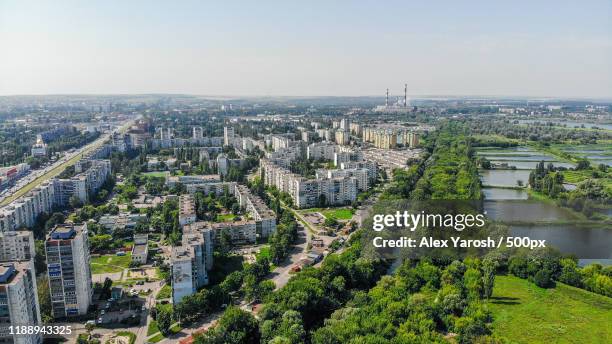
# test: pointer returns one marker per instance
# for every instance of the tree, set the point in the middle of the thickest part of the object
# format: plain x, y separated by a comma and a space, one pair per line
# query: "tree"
543, 279
44, 298
75, 202
235, 327
489, 266
164, 320
473, 281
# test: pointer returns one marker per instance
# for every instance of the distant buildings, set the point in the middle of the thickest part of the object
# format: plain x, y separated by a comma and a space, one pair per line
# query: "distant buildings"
198, 133
10, 174
172, 181
321, 150
40, 147
85, 184
18, 301
228, 136
308, 193
67, 250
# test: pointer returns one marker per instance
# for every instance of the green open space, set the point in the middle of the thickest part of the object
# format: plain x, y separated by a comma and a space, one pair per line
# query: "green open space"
128, 334
110, 263
156, 338
339, 214
225, 217
336, 213
155, 174
165, 292
525, 313
153, 328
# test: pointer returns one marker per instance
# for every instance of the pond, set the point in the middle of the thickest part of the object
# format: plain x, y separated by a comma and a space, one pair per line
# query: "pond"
504, 194
584, 242
569, 124
526, 211
504, 177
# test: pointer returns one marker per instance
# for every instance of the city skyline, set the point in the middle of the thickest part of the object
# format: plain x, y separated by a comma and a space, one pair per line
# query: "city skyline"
317, 49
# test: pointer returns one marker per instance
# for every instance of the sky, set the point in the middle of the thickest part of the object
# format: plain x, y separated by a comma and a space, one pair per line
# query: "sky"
534, 48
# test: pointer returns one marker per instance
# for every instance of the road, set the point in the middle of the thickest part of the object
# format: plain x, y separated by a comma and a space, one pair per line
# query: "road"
37, 177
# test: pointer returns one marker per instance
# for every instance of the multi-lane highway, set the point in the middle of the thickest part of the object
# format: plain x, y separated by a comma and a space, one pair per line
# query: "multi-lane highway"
36, 177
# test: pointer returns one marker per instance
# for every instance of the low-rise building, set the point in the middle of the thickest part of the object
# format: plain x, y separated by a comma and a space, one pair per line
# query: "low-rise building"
140, 250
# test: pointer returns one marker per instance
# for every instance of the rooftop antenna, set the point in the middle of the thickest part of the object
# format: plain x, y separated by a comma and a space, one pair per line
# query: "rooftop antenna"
387, 98
405, 95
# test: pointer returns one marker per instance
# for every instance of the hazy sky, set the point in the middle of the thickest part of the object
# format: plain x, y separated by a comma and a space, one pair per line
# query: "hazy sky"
490, 47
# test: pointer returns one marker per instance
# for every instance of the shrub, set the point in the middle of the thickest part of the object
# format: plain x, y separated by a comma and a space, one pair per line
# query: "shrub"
543, 279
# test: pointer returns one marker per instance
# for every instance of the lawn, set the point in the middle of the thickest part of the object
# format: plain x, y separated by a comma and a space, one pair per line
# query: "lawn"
525, 313
339, 214
156, 338
152, 328
155, 174
128, 334
264, 252
110, 263
165, 292
225, 217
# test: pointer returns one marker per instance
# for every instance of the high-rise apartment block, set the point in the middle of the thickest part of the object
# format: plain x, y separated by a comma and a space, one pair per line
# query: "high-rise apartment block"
16, 245
67, 249
18, 301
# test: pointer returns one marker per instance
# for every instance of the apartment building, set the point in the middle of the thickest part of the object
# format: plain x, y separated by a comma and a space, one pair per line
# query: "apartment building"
211, 188
24, 211
346, 156
360, 174
182, 273
228, 136
308, 193
18, 301
197, 133
240, 232
265, 218
371, 166
83, 185
282, 141
322, 150
16, 245
187, 209
191, 261
342, 137
67, 249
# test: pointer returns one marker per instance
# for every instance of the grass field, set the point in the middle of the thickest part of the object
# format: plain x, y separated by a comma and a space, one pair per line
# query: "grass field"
155, 174
165, 292
110, 263
525, 313
225, 217
128, 334
152, 328
339, 214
